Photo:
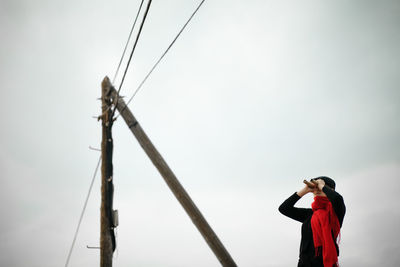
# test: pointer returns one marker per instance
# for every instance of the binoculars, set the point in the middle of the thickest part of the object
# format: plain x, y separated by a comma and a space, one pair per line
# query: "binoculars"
311, 184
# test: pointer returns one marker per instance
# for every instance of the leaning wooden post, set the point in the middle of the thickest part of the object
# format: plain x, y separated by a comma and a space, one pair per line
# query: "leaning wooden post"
180, 193
107, 240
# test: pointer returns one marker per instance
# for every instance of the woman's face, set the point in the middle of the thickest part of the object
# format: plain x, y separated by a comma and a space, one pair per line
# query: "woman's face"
318, 192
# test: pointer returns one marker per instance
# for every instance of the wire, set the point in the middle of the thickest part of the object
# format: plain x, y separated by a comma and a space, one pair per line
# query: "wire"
133, 50
82, 213
162, 56
119, 89
127, 42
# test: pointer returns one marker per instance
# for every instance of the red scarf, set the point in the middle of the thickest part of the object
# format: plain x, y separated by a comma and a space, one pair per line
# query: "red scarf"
324, 222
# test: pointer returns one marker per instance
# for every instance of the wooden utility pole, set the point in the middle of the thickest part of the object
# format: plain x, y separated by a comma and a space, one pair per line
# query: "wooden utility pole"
180, 193
107, 238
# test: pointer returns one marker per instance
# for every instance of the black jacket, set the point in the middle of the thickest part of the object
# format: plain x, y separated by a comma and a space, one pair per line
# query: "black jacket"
303, 215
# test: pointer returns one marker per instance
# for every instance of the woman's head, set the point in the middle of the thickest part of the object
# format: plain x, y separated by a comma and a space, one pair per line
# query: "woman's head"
329, 182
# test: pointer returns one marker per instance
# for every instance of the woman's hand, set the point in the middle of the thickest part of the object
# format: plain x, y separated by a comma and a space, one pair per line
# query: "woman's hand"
320, 184
305, 190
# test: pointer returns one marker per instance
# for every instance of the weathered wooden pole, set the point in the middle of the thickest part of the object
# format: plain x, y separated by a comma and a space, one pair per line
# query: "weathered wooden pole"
180, 193
107, 239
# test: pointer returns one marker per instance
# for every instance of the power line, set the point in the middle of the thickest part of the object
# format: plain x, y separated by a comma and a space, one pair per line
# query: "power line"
133, 50
127, 42
98, 163
83, 212
163, 55
141, 84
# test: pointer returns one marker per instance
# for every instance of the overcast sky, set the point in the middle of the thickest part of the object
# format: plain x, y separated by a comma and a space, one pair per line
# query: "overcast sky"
254, 97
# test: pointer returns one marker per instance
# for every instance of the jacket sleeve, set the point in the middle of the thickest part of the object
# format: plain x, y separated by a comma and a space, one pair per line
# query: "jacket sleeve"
337, 203
287, 208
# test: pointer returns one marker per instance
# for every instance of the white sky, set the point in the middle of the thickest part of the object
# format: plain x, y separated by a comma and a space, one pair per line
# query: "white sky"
254, 97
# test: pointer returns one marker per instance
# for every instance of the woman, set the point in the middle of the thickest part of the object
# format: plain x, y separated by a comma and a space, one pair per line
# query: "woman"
320, 225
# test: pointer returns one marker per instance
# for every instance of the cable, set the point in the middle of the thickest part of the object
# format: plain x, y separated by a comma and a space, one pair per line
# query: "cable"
133, 50
162, 56
127, 42
82, 213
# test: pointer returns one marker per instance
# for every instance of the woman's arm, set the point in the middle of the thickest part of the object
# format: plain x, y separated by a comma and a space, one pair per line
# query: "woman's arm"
337, 202
287, 207
335, 198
